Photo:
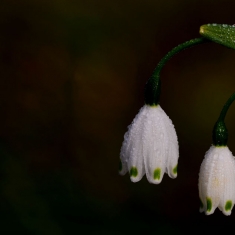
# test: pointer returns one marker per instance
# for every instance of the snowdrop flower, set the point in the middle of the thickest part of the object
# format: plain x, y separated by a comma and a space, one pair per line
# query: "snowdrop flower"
150, 146
217, 181
217, 172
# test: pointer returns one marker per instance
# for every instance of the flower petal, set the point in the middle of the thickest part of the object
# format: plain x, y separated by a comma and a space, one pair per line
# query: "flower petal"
155, 146
228, 193
130, 137
209, 183
123, 155
136, 161
173, 148
216, 181
132, 148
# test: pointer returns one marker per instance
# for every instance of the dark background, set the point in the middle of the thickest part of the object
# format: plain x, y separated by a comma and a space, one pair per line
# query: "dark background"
72, 76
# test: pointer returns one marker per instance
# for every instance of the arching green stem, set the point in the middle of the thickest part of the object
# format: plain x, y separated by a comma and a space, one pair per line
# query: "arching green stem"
220, 132
153, 85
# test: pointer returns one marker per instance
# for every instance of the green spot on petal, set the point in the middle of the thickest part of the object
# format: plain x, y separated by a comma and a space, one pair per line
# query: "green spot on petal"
120, 166
175, 169
133, 171
208, 204
201, 204
228, 205
157, 174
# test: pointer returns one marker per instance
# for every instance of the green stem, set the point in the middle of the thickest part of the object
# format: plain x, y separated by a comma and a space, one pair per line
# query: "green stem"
220, 132
226, 107
177, 49
152, 88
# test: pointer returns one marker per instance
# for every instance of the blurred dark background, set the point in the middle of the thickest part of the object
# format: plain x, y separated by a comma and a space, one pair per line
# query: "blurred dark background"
72, 76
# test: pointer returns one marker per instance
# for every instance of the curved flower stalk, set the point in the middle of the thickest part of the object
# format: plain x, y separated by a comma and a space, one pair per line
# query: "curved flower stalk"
217, 171
150, 146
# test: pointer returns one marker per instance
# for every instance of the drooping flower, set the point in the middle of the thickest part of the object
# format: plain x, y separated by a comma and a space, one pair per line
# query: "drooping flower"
217, 181
217, 172
150, 146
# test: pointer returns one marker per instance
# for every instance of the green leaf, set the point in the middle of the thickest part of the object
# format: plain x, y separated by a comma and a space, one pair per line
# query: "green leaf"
220, 33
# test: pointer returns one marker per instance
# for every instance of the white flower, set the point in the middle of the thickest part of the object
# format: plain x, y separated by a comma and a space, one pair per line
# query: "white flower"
150, 146
217, 180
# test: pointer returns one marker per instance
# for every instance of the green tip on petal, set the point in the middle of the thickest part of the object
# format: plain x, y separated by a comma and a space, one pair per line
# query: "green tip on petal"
133, 171
220, 33
228, 205
175, 169
208, 204
157, 174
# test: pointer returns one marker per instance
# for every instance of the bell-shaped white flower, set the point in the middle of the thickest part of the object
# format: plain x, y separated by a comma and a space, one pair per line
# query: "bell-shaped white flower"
150, 146
217, 181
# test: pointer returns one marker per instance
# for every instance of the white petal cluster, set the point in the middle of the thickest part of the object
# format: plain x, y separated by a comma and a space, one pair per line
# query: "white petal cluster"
217, 181
150, 146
